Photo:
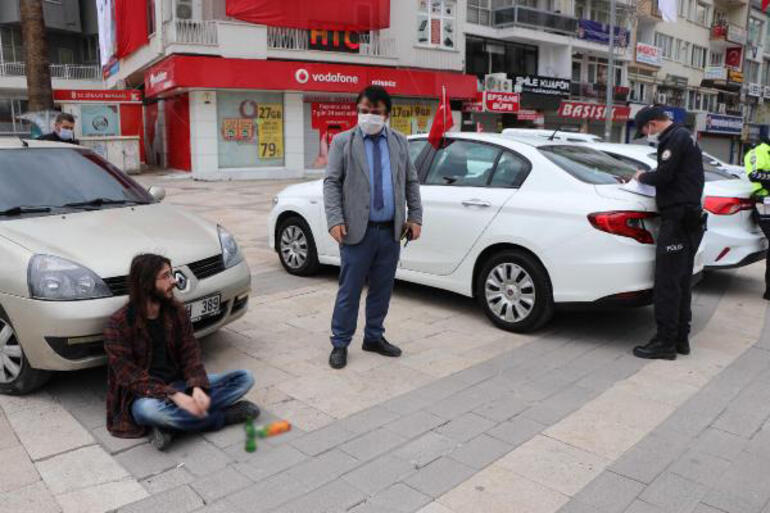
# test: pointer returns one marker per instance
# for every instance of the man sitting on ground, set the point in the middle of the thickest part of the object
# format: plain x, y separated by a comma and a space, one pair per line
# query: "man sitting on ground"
155, 376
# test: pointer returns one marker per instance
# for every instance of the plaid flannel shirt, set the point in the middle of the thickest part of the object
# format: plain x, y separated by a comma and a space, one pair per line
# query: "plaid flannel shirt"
129, 354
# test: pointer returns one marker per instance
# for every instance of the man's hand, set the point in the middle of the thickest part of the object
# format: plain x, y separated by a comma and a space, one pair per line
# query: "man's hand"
338, 232
415, 230
188, 404
638, 173
201, 399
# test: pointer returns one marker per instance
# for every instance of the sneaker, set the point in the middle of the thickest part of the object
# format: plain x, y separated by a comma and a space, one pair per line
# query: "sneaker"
160, 438
240, 412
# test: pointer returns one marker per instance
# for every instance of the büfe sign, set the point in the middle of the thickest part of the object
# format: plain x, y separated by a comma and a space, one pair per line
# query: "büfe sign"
501, 102
592, 111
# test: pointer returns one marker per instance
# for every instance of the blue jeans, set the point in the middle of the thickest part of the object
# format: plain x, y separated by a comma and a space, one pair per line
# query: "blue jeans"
226, 388
374, 259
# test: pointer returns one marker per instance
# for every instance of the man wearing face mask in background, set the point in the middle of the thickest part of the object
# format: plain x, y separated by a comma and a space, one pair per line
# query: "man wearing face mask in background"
678, 181
63, 130
370, 181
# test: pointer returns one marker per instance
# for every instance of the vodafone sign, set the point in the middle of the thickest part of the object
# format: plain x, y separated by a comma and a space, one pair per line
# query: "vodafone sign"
592, 111
187, 71
501, 102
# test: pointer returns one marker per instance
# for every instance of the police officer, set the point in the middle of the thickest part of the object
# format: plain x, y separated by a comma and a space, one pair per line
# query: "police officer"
679, 186
757, 162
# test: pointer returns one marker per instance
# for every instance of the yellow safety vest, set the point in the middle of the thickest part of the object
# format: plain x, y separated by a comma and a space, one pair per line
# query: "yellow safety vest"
758, 159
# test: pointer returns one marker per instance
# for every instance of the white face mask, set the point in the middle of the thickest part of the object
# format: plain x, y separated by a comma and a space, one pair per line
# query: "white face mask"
371, 123
66, 134
652, 138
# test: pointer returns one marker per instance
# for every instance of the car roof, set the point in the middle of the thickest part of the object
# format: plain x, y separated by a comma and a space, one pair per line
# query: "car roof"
504, 140
10, 143
544, 132
632, 150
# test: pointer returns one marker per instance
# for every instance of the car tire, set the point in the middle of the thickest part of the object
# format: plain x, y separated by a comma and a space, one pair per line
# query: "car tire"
17, 377
296, 247
513, 289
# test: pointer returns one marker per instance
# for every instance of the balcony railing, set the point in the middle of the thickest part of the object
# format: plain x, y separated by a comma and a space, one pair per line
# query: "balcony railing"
593, 90
728, 32
521, 16
191, 32
370, 43
63, 71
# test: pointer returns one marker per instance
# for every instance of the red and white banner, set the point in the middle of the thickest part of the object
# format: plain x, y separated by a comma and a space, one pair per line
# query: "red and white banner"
180, 71
98, 95
734, 57
355, 15
592, 111
501, 102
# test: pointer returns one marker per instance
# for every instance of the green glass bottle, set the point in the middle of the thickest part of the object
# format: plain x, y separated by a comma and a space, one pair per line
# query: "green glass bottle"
251, 435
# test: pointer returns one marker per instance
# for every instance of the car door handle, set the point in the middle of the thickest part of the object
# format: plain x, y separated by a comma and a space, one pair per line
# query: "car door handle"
476, 203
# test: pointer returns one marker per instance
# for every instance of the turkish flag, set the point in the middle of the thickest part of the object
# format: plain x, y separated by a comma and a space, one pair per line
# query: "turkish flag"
765, 3
352, 15
442, 122
131, 27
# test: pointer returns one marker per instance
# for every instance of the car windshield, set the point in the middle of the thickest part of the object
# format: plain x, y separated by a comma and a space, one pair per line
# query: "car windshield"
711, 173
588, 165
56, 177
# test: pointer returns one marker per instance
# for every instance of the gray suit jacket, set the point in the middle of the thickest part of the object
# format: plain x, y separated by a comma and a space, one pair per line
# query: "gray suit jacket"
347, 188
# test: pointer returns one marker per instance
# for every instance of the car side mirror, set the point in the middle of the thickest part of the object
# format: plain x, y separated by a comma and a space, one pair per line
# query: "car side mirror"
157, 192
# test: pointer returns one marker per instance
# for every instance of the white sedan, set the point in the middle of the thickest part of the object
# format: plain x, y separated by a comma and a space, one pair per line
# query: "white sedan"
733, 237
521, 225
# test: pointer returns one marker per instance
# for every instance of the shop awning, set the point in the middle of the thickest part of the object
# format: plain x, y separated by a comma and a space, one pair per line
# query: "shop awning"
199, 72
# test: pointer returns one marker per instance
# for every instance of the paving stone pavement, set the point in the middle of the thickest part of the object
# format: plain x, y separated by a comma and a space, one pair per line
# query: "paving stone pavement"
471, 419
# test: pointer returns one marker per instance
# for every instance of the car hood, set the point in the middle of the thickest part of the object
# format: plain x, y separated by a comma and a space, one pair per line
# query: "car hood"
305, 189
106, 240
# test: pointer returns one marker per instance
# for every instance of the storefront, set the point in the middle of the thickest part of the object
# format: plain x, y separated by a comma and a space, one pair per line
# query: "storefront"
720, 135
239, 118
588, 117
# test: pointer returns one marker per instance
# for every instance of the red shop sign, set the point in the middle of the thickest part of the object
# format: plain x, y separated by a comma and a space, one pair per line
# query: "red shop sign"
97, 95
592, 111
527, 115
501, 102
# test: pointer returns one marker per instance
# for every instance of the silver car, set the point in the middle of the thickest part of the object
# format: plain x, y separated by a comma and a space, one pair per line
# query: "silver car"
70, 223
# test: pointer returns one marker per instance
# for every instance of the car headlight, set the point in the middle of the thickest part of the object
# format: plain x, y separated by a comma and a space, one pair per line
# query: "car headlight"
58, 279
231, 253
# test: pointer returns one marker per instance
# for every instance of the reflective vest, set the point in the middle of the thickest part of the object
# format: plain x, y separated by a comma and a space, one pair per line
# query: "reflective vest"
757, 159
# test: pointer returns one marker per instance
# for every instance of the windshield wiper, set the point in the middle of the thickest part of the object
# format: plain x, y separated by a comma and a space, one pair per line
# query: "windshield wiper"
98, 202
19, 210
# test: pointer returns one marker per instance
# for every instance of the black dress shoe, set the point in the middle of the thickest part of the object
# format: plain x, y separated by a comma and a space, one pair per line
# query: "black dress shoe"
766, 295
656, 349
382, 347
683, 346
240, 412
339, 357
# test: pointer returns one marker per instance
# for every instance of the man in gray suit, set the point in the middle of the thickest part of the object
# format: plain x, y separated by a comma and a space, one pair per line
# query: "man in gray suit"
369, 182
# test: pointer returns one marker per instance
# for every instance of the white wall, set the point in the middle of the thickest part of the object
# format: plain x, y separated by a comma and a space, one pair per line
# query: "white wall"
204, 134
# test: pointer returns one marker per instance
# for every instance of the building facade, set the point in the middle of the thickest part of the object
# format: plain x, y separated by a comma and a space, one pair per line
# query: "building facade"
72, 36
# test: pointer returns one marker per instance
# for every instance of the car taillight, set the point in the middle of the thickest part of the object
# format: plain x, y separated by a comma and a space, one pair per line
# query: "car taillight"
727, 206
623, 223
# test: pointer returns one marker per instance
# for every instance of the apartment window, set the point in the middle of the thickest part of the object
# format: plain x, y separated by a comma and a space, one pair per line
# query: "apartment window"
698, 56
684, 8
766, 72
65, 56
640, 92
682, 53
576, 68
752, 72
478, 12
436, 23
581, 9
666, 43
755, 31
767, 39
717, 58
701, 14
150, 17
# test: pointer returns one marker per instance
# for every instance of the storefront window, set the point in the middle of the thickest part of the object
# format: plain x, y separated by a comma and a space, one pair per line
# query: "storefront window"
436, 23
250, 129
478, 11
412, 116
99, 120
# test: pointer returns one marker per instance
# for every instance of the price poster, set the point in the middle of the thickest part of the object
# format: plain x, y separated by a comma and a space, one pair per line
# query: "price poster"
270, 123
412, 118
401, 119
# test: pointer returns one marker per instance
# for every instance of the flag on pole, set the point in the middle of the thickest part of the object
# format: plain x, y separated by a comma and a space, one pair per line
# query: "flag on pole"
442, 121
765, 3
667, 9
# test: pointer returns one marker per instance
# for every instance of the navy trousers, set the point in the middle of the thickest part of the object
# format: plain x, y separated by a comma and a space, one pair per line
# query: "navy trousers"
373, 260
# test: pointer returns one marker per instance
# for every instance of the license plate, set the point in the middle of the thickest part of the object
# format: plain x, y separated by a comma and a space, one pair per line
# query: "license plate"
203, 308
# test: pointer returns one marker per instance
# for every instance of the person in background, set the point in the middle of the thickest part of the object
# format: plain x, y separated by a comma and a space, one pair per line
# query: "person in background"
369, 184
757, 163
155, 377
63, 130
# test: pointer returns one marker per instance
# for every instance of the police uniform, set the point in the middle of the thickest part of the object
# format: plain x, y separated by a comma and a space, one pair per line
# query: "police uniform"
757, 163
679, 186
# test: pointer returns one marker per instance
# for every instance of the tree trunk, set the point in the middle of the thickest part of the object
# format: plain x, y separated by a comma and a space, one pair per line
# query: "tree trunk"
39, 88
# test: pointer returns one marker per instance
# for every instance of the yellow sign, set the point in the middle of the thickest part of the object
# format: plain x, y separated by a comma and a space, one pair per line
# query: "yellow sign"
270, 123
411, 118
734, 76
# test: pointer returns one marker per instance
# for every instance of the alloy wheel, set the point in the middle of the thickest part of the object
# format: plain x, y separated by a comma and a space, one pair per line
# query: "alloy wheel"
294, 246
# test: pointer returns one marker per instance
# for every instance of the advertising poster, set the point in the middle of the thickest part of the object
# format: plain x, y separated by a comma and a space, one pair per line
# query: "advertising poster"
270, 123
412, 118
327, 120
250, 129
99, 120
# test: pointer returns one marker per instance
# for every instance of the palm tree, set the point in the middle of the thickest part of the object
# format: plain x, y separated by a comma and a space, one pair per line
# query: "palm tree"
39, 88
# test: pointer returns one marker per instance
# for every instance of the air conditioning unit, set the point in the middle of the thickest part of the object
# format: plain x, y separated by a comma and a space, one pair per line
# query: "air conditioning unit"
721, 108
188, 9
498, 82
